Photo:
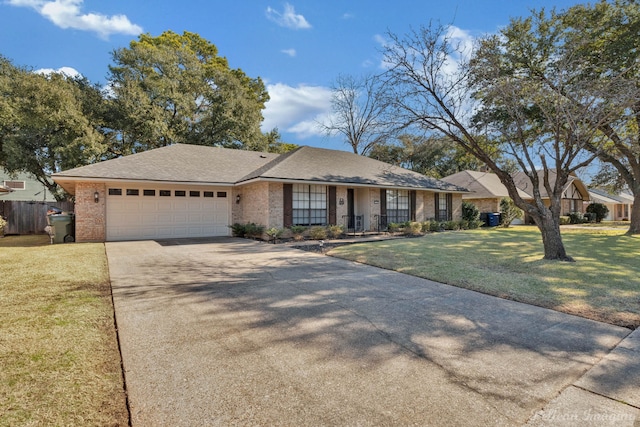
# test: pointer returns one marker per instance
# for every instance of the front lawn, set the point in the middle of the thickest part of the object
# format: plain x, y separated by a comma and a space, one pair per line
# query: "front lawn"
59, 356
603, 284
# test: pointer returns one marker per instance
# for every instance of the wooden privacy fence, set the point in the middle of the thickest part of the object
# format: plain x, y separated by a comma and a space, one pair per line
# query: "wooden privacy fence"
28, 217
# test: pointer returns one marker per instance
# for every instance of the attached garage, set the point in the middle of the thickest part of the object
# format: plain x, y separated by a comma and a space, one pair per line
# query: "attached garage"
138, 213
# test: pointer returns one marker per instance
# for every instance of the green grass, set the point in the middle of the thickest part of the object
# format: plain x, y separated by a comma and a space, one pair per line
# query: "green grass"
58, 349
603, 284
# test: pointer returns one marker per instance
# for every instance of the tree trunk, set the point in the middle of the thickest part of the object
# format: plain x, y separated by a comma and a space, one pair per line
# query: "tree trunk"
634, 226
551, 238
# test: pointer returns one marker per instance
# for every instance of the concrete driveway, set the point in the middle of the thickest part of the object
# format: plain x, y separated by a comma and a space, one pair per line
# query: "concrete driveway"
235, 332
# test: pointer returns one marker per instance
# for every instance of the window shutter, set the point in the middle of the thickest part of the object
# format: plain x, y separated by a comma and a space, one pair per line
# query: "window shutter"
332, 205
437, 205
287, 205
383, 202
412, 205
449, 206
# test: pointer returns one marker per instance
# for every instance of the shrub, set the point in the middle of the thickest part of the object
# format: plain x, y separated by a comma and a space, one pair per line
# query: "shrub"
254, 230
3, 224
435, 226
509, 212
413, 229
297, 232
564, 220
318, 233
426, 226
576, 218
463, 224
238, 230
470, 212
393, 227
451, 225
475, 224
274, 233
599, 210
335, 231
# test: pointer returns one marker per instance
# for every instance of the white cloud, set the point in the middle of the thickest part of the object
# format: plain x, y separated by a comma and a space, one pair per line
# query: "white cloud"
297, 109
380, 40
288, 18
290, 52
67, 14
463, 43
67, 71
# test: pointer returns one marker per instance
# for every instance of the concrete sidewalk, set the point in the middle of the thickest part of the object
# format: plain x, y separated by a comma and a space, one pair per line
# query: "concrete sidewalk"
607, 394
235, 332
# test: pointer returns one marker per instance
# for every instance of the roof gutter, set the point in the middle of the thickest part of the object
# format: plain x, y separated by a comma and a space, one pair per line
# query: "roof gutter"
349, 184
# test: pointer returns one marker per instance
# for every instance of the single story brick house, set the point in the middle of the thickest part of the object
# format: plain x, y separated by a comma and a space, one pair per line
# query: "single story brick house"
619, 205
192, 191
485, 189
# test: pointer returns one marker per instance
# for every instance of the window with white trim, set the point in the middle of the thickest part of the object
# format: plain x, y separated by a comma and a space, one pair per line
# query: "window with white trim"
16, 185
309, 204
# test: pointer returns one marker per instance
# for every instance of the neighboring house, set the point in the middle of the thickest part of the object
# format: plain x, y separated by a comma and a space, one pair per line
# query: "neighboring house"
619, 205
25, 207
574, 193
25, 188
190, 191
485, 189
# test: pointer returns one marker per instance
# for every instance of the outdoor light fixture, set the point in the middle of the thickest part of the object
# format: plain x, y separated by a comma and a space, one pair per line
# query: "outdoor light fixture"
341, 201
237, 199
96, 197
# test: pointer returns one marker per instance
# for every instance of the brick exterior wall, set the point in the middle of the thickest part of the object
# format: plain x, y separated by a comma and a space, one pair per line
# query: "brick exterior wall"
429, 205
262, 203
486, 205
91, 225
456, 201
276, 207
254, 199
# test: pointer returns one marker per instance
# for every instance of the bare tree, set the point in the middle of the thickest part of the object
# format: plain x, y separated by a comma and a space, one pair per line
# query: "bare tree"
487, 103
360, 112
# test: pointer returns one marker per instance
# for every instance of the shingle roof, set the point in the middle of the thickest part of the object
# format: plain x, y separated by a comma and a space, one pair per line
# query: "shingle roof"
177, 163
192, 163
482, 185
523, 182
602, 196
323, 165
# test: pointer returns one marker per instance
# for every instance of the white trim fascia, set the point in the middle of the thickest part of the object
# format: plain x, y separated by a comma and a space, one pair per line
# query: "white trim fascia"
347, 184
136, 181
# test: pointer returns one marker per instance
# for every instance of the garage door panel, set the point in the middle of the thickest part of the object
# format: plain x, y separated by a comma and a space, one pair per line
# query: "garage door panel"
152, 217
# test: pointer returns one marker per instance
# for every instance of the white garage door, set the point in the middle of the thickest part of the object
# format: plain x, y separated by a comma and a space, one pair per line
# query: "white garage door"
159, 213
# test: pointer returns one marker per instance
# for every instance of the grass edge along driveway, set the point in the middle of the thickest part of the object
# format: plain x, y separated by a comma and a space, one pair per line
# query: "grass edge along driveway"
603, 284
58, 349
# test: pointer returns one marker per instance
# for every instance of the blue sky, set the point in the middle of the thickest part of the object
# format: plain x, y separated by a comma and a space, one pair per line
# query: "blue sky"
298, 47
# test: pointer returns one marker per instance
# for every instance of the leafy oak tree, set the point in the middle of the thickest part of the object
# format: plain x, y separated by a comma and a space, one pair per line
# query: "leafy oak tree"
175, 88
47, 123
434, 157
489, 102
604, 39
